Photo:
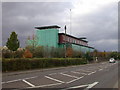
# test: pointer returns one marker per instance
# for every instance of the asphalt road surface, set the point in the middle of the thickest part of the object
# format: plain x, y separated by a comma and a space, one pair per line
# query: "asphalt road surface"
82, 77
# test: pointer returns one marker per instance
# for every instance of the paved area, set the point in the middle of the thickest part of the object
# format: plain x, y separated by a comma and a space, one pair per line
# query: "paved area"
83, 76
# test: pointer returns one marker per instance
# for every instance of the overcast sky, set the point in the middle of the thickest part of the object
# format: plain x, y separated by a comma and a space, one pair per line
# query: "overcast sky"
95, 19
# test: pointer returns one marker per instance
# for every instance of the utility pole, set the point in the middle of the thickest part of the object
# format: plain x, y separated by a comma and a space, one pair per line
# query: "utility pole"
65, 41
70, 22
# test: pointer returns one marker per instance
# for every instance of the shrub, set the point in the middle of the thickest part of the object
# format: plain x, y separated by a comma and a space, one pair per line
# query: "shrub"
57, 52
6, 53
38, 52
88, 57
16, 64
114, 55
77, 54
19, 54
27, 54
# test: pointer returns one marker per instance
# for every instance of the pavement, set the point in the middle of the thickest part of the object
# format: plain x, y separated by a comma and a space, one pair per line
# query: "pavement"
97, 75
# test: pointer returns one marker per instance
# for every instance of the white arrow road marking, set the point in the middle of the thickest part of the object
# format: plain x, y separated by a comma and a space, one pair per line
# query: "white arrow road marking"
88, 86
75, 87
28, 83
92, 85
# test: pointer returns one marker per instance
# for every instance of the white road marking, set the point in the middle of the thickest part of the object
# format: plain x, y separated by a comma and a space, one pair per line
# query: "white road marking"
74, 80
100, 69
91, 69
28, 83
45, 85
52, 73
64, 72
84, 70
92, 73
92, 85
11, 81
78, 72
18, 80
54, 79
68, 75
104, 63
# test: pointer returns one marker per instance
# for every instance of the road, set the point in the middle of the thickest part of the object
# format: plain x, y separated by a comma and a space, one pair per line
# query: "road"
81, 77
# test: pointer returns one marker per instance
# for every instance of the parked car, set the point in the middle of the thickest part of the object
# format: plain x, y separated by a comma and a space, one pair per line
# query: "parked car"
111, 60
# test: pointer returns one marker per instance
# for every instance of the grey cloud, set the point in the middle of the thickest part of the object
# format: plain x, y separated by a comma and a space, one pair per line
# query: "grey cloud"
101, 24
33, 9
105, 45
23, 17
96, 26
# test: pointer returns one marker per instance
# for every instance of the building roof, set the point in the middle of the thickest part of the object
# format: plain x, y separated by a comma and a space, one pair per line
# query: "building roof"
47, 27
73, 37
83, 38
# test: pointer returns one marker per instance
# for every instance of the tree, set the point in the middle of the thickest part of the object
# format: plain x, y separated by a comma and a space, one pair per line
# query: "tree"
95, 53
114, 55
33, 42
88, 56
13, 42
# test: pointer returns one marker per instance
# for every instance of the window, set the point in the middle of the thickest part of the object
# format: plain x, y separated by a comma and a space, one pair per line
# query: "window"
75, 41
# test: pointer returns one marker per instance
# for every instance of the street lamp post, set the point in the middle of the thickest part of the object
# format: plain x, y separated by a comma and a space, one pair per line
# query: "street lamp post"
65, 41
70, 23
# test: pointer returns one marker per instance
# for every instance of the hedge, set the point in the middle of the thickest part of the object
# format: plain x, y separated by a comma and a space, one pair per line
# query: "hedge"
17, 64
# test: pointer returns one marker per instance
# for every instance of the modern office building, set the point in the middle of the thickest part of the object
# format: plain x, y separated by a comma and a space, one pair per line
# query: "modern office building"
50, 36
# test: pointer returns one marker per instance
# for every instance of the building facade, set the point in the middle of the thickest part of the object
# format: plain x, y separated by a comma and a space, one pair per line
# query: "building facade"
50, 36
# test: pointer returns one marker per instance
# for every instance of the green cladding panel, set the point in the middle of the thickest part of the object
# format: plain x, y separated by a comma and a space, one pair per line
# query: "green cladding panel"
79, 48
47, 37
82, 48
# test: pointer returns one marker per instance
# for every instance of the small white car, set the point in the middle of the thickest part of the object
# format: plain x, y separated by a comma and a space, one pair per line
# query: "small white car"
111, 60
